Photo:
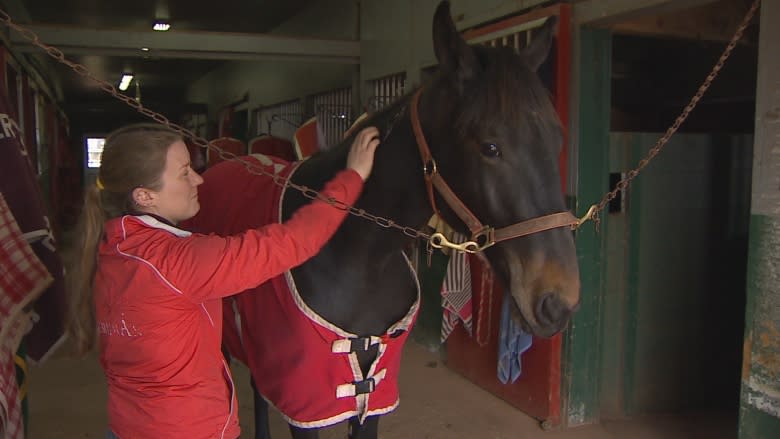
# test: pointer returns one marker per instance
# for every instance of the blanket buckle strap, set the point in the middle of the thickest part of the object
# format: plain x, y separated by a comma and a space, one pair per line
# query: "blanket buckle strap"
354, 344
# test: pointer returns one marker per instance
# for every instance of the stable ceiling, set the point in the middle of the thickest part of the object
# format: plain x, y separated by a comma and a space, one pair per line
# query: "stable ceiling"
106, 37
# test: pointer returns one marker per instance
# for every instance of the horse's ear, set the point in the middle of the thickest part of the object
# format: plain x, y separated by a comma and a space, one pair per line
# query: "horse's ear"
454, 55
536, 52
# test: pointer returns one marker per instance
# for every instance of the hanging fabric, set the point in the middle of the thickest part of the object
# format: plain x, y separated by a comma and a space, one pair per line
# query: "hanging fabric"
22, 192
23, 280
456, 295
512, 343
308, 139
228, 144
225, 122
273, 146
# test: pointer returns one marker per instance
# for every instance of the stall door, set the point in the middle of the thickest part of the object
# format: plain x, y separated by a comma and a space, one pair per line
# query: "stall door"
538, 390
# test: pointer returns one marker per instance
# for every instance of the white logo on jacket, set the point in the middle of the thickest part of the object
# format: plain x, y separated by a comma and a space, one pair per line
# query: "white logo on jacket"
120, 328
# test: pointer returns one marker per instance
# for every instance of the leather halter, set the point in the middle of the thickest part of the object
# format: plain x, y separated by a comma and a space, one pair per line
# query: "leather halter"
482, 236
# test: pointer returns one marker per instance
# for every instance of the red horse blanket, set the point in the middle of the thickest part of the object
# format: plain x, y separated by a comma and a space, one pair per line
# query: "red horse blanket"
303, 365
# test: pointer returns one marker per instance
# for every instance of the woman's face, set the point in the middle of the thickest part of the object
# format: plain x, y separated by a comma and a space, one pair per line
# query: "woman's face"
177, 199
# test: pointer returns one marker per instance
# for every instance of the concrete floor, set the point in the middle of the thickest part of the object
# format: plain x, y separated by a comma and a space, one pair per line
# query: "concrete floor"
67, 400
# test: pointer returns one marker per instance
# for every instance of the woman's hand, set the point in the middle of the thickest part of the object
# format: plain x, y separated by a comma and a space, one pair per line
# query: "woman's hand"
361, 155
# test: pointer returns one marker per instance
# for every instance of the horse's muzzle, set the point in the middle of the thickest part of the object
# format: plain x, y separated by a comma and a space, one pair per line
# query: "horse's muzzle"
552, 313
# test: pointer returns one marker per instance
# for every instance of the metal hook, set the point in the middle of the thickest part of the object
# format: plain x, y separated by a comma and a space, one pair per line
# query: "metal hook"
588, 215
438, 240
278, 118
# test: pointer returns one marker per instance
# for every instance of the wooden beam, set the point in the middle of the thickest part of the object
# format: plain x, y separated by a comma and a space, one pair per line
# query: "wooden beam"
711, 22
766, 170
759, 411
606, 12
466, 21
184, 44
581, 378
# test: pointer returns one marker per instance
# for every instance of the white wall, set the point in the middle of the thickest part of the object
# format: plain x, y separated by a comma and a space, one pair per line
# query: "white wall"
269, 82
395, 37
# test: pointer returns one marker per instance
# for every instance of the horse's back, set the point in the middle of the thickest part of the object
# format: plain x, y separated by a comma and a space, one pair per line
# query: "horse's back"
233, 200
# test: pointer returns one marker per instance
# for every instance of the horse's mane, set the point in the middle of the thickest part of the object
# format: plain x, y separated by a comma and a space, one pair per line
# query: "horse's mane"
384, 119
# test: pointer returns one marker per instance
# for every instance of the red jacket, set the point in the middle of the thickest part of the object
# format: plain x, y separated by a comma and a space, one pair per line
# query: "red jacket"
158, 308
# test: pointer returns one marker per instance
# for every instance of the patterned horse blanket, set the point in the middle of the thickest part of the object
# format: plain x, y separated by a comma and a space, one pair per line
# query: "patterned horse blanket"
303, 365
44, 329
23, 277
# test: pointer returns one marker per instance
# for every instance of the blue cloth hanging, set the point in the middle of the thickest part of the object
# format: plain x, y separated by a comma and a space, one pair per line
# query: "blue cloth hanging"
512, 342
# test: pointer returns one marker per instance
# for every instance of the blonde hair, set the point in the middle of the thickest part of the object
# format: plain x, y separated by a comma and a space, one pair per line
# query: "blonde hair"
133, 156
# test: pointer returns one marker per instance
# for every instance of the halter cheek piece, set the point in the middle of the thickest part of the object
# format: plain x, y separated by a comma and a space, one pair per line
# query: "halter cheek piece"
482, 236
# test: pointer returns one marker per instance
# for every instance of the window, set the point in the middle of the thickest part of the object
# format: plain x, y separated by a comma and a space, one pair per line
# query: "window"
386, 90
94, 151
334, 113
280, 120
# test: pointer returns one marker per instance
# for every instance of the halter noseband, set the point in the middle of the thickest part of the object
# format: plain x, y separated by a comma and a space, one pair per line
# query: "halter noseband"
482, 236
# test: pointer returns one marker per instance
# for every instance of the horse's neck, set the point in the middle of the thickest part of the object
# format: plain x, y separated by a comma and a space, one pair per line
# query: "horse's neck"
394, 191
360, 280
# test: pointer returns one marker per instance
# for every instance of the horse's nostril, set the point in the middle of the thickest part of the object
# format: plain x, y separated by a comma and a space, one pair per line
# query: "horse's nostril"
551, 310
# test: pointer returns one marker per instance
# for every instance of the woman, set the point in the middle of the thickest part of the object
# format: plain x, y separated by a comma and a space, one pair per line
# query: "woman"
153, 291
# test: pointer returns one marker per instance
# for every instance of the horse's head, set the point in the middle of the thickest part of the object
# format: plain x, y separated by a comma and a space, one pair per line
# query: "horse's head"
496, 139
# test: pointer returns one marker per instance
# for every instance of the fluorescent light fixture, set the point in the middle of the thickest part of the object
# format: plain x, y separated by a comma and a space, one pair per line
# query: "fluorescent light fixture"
161, 25
127, 78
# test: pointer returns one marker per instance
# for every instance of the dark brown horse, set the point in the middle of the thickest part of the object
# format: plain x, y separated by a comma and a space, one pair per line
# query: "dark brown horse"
495, 137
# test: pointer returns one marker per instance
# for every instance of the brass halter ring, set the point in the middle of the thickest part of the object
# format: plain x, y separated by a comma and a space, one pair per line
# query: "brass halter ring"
430, 169
438, 240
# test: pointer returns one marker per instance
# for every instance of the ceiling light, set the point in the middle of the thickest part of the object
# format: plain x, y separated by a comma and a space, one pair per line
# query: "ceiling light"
161, 25
144, 49
125, 82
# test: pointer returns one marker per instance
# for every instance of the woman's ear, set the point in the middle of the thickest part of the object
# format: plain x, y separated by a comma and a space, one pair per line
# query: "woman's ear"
143, 197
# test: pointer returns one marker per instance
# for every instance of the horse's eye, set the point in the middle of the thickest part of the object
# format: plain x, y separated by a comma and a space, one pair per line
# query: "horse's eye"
490, 150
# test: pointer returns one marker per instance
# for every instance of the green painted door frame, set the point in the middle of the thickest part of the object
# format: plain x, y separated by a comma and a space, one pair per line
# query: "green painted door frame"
583, 344
582, 341
759, 416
